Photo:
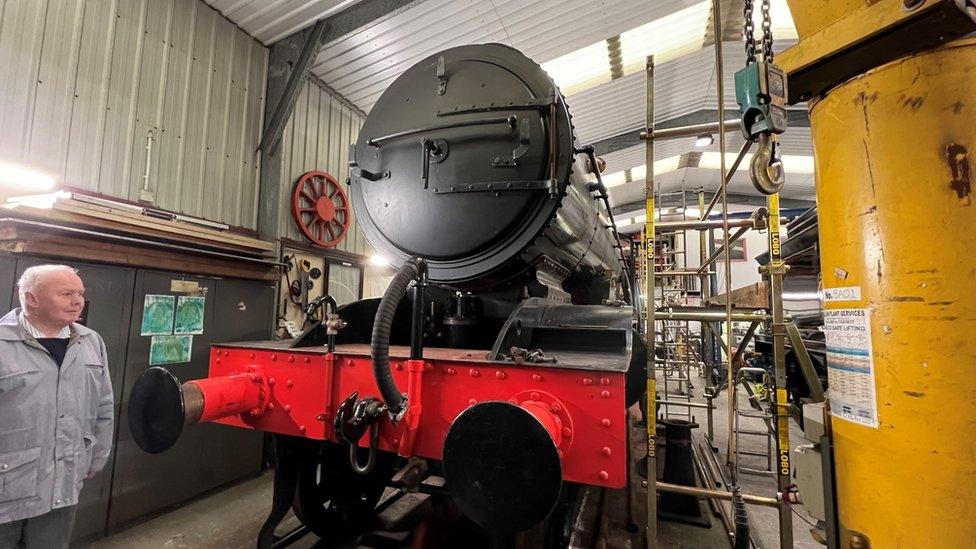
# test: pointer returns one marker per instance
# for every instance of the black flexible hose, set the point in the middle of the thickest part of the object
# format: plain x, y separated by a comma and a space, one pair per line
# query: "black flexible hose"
380, 342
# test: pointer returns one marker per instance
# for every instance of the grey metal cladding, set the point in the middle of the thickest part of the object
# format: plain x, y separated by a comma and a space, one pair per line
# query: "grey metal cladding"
84, 83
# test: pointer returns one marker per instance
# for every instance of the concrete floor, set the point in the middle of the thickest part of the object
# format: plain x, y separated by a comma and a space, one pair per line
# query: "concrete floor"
227, 519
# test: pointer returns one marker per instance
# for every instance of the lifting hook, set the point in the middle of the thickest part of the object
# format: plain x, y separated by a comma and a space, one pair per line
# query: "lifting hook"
353, 418
766, 169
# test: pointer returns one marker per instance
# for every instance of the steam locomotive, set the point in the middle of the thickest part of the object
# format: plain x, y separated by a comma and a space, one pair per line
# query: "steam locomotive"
502, 357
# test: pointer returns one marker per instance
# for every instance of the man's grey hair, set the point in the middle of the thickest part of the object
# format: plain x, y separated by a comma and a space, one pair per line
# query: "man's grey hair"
32, 277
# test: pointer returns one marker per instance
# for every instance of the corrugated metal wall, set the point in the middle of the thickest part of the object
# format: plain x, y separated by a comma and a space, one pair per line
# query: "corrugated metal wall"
317, 137
84, 82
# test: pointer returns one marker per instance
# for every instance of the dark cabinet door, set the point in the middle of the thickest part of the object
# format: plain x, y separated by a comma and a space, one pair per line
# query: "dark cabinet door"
205, 456
108, 308
242, 311
8, 279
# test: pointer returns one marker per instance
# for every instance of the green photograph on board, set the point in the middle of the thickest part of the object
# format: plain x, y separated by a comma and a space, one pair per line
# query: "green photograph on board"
170, 349
157, 315
189, 315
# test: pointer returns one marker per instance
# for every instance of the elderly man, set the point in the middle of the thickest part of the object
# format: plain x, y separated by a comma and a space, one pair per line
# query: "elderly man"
55, 409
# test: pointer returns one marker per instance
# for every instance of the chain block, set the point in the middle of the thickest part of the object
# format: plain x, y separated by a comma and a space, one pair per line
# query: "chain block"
760, 91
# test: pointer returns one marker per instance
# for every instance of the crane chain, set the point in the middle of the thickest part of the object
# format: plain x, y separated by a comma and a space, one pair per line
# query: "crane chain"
767, 40
749, 32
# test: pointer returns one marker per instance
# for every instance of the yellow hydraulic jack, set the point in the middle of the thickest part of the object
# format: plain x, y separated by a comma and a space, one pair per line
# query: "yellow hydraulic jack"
890, 86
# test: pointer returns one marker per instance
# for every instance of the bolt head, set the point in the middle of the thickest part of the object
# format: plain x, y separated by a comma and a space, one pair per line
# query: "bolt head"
217, 360
606, 451
605, 394
604, 475
271, 381
555, 408
451, 371
536, 377
350, 363
291, 358
587, 381
472, 402
399, 367
290, 383
534, 396
251, 355
307, 360
605, 422
301, 429
287, 407
274, 358
604, 381
500, 374
859, 541
269, 406
513, 401
474, 372
567, 432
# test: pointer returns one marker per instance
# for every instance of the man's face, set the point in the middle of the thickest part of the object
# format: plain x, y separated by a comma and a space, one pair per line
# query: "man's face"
58, 299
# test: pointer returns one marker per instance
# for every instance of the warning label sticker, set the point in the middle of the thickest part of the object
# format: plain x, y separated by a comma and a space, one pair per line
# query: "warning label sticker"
850, 366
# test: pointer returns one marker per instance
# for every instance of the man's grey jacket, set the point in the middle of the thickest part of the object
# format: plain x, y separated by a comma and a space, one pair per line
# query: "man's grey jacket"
55, 423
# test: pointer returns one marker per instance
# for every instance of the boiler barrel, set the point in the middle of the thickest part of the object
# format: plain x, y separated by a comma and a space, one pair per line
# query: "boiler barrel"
468, 160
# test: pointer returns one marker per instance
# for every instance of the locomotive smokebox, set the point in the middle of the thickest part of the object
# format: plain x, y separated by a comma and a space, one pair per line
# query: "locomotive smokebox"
468, 160
502, 465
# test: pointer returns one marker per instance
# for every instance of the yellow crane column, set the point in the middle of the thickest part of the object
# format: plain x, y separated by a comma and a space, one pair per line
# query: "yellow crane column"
894, 147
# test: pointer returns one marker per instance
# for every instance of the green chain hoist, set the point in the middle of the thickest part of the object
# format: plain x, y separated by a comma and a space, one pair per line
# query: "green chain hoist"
760, 91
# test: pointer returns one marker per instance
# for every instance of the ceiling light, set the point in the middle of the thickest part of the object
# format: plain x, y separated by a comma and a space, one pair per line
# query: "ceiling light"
583, 68
378, 261
704, 140
667, 37
802, 296
25, 178
638, 173
44, 201
793, 163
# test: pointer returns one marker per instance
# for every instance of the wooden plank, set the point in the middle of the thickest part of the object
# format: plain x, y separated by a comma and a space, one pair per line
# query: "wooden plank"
175, 227
85, 221
179, 226
754, 296
19, 240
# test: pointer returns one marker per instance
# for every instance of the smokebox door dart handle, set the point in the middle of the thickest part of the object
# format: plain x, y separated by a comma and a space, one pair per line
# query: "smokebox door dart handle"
511, 121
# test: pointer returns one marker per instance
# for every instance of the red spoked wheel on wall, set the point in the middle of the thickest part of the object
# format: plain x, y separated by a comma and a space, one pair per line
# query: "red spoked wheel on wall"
320, 208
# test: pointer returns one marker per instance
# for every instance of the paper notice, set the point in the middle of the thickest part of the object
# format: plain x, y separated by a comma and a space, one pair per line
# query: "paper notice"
850, 366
